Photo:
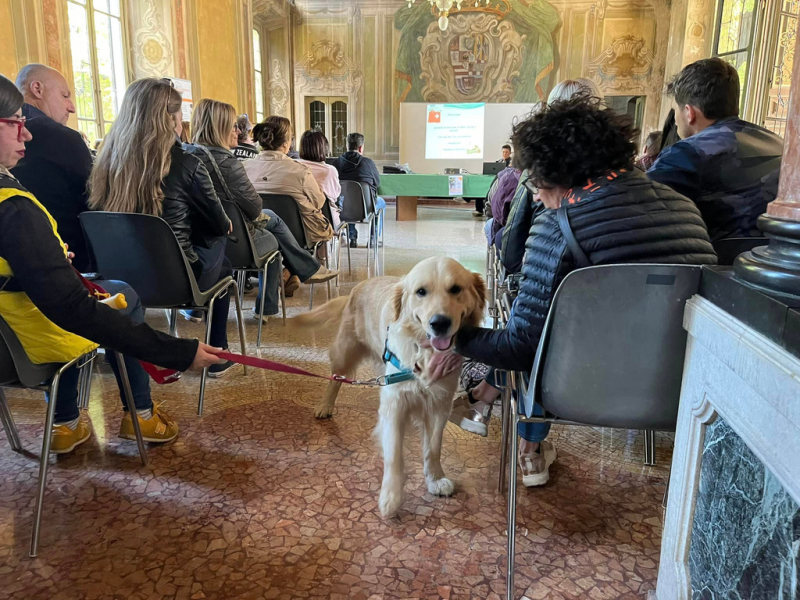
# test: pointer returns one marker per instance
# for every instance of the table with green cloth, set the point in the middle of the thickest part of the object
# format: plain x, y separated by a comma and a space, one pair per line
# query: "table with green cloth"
409, 187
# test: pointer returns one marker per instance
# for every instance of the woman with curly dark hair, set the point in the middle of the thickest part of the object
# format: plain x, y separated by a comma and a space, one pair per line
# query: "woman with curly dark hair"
579, 156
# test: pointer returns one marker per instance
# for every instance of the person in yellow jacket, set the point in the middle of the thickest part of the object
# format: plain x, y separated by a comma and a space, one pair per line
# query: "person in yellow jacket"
43, 300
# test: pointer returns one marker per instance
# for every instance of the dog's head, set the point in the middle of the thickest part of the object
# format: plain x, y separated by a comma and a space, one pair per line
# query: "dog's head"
438, 297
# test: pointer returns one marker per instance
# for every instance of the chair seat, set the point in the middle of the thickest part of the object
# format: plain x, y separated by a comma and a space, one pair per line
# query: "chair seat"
268, 245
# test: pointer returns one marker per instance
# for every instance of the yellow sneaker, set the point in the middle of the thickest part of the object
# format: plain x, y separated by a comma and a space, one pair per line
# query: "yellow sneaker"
65, 440
160, 428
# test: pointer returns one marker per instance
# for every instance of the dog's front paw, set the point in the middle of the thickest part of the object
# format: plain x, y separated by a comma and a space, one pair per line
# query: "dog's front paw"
323, 411
390, 502
441, 487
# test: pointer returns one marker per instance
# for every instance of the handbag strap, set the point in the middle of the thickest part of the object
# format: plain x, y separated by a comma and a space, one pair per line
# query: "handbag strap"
218, 172
574, 247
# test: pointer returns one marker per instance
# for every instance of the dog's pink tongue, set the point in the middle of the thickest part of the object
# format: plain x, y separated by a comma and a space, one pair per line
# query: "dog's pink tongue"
441, 343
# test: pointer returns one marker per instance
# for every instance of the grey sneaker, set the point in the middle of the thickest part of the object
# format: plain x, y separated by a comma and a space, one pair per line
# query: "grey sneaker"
322, 275
471, 416
536, 466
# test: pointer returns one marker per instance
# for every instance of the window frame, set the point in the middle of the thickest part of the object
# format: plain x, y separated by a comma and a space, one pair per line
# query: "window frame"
256, 31
99, 119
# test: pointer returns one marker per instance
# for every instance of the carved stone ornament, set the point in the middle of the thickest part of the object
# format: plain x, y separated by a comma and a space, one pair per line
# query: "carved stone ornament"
153, 51
625, 66
475, 59
325, 70
278, 90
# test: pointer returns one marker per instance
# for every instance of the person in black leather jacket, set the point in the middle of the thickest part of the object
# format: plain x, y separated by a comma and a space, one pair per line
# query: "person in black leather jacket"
216, 135
580, 156
142, 168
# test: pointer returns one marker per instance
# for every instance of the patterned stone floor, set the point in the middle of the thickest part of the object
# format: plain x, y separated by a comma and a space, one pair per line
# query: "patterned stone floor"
256, 499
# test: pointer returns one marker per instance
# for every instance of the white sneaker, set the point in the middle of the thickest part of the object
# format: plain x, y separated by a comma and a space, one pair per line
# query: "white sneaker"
256, 316
472, 417
536, 465
322, 275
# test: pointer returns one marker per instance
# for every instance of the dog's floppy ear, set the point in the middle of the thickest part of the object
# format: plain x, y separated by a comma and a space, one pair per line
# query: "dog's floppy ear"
479, 290
397, 300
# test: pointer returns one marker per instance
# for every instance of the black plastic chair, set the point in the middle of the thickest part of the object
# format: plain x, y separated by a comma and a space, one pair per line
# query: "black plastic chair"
729, 248
358, 206
286, 208
241, 251
142, 251
611, 355
17, 371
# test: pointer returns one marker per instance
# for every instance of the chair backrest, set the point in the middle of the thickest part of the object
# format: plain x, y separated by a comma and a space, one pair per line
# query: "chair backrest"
239, 248
357, 202
142, 251
613, 346
288, 210
15, 366
729, 248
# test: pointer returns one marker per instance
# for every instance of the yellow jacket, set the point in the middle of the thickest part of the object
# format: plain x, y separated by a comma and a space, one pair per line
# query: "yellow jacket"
43, 340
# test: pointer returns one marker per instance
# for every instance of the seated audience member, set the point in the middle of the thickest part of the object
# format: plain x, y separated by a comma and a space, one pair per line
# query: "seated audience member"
313, 151
52, 313
185, 133
292, 152
245, 148
500, 203
215, 136
581, 157
564, 90
354, 166
57, 161
669, 131
140, 147
727, 166
273, 172
652, 146
506, 155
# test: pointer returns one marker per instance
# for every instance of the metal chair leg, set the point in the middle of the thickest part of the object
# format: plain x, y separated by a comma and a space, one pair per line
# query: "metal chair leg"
204, 374
311, 296
85, 385
512, 500
505, 415
261, 304
328, 266
127, 394
172, 319
240, 320
649, 447
283, 288
349, 263
44, 459
8, 424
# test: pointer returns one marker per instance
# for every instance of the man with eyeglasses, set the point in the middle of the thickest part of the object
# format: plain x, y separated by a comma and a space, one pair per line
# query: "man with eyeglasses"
57, 161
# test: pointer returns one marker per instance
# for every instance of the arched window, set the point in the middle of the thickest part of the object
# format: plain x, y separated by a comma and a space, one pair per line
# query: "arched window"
98, 63
258, 67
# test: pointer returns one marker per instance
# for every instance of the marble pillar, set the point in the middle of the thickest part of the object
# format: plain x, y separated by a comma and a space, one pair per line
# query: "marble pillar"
775, 269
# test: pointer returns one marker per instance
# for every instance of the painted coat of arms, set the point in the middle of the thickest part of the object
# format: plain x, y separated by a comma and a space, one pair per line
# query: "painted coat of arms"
468, 55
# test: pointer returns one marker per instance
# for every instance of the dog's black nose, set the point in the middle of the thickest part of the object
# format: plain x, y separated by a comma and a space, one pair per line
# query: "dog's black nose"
440, 324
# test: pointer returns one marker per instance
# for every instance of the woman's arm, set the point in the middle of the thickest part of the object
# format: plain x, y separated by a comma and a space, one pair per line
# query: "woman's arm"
205, 201
244, 194
45, 275
312, 191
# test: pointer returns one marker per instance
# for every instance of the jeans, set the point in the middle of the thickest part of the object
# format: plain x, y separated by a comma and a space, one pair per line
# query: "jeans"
212, 266
296, 259
530, 432
67, 400
352, 232
487, 230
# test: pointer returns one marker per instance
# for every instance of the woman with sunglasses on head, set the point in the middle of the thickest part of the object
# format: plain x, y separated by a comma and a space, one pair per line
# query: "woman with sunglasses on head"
215, 135
142, 168
43, 300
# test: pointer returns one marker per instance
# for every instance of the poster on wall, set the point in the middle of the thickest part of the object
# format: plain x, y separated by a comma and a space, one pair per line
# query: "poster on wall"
184, 88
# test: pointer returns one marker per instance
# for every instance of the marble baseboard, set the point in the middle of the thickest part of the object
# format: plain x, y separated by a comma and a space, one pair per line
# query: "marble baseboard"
746, 528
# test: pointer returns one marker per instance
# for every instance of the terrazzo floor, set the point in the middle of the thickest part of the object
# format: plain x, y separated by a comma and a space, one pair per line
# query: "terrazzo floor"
257, 499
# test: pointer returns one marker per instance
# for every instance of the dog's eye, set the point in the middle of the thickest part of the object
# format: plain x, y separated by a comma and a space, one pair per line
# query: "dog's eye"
422, 292
456, 289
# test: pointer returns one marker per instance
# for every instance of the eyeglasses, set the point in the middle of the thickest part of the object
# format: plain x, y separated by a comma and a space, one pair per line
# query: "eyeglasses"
20, 123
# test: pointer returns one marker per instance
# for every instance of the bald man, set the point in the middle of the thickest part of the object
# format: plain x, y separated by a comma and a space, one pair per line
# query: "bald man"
57, 161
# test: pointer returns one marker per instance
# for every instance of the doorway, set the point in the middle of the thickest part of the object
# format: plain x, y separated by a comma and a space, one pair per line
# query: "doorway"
328, 114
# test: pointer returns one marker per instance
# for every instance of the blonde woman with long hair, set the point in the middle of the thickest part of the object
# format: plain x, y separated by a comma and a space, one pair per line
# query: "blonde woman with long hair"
215, 135
142, 168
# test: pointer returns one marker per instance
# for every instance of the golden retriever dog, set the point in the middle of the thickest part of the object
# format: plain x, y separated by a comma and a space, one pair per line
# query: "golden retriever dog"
412, 317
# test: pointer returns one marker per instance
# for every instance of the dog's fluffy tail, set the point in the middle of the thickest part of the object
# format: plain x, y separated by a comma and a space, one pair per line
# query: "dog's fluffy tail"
326, 315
